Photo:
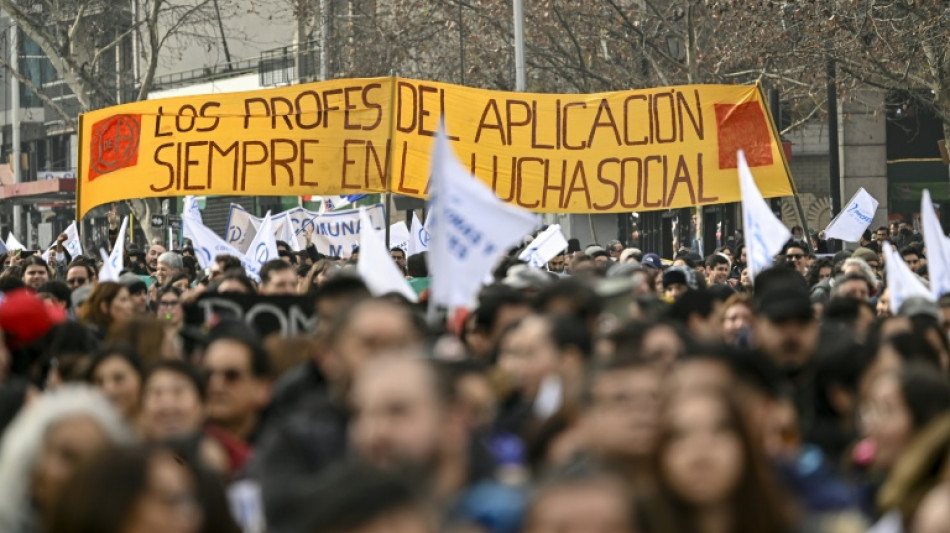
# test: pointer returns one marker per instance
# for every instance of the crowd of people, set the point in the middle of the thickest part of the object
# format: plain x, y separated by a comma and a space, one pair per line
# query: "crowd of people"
613, 391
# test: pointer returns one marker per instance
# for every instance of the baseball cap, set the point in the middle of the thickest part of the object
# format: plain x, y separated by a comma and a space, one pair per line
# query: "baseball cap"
652, 260
24, 318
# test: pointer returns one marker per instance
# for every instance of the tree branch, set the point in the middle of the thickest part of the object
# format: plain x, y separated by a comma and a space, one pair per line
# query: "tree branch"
70, 122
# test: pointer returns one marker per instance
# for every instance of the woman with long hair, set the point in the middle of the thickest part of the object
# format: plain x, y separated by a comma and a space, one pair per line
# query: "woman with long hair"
109, 303
711, 474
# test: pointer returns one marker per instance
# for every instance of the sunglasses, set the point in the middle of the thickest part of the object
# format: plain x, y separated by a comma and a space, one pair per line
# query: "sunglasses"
794, 256
168, 303
76, 281
230, 375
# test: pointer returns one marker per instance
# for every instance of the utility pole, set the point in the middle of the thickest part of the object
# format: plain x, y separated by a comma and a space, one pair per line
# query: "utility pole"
15, 162
834, 164
519, 46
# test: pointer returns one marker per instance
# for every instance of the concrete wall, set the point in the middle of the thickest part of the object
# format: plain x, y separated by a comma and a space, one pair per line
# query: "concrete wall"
864, 149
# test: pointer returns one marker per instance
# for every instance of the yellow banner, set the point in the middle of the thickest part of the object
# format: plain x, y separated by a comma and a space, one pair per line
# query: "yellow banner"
596, 153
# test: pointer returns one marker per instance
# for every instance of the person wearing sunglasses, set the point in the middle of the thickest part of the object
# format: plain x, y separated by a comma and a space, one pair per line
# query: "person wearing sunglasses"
796, 254
238, 380
79, 273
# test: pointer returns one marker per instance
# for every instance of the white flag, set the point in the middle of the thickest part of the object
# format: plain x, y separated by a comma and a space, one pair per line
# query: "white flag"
286, 233
73, 245
938, 248
375, 265
470, 228
117, 255
764, 233
209, 245
547, 245
398, 237
851, 222
12, 243
190, 208
264, 246
418, 237
106, 273
902, 283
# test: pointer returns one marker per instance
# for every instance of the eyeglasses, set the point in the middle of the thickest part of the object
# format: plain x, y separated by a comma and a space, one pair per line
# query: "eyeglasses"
168, 303
76, 281
230, 375
794, 256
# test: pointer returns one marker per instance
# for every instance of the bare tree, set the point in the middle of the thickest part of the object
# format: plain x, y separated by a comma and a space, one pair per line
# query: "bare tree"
107, 52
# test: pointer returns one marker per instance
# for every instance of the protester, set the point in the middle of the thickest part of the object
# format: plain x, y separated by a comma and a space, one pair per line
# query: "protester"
108, 303
117, 372
44, 446
604, 390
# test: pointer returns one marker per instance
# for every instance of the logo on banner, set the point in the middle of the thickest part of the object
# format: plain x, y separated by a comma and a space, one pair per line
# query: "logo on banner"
261, 254
743, 127
424, 237
235, 234
115, 144
855, 210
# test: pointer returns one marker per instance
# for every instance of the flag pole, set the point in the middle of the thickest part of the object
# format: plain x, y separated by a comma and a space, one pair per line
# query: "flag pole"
788, 172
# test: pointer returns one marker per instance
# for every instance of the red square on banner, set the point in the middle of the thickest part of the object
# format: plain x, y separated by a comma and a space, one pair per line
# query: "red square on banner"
743, 127
114, 144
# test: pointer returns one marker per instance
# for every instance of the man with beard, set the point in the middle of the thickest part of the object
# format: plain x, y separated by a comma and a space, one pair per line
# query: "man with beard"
786, 331
151, 259
407, 418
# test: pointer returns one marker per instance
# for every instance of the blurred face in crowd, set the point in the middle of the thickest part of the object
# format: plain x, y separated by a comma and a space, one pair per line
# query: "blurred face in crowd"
744, 279
913, 261
587, 506
622, 418
854, 288
886, 420
170, 310
399, 257
235, 394
881, 235
376, 327
528, 355
742, 255
120, 383
77, 276
701, 459
282, 281
163, 273
68, 444
797, 256
170, 503
789, 342
557, 263
662, 345
398, 420
736, 319
824, 273
675, 290
171, 406
182, 285
121, 308
151, 259
718, 273
139, 302
884, 304
35, 275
